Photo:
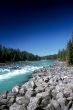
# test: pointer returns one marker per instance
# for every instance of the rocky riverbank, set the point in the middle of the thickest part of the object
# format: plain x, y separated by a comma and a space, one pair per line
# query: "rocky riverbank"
50, 88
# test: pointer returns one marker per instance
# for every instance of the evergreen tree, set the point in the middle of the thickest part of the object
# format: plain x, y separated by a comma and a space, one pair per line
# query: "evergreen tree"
70, 51
11, 55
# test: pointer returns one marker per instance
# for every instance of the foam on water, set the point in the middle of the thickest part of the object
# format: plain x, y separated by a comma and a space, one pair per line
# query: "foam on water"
13, 73
4, 70
19, 72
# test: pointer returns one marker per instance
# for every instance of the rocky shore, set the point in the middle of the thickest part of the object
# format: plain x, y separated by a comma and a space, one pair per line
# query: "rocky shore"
50, 88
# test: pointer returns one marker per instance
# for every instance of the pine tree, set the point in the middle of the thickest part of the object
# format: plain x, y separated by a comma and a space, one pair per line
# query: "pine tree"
70, 52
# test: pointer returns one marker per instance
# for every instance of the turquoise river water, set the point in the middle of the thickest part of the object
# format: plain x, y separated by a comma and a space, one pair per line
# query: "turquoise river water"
19, 72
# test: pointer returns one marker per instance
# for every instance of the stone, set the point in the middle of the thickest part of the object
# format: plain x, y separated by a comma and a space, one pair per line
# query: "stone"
29, 93
70, 98
3, 107
45, 101
39, 108
15, 106
66, 94
70, 105
71, 108
46, 79
44, 94
34, 102
3, 101
59, 95
28, 85
11, 98
61, 101
54, 93
22, 91
50, 107
4, 95
22, 100
34, 94
32, 84
11, 94
56, 105
11, 101
39, 89
15, 89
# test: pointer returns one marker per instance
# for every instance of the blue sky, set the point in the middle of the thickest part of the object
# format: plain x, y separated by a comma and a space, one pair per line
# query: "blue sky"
40, 27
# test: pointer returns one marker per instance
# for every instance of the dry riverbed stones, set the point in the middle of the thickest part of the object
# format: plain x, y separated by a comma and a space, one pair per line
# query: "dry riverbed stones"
49, 88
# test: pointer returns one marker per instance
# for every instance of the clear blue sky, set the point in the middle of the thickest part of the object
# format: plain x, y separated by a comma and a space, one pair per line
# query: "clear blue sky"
39, 26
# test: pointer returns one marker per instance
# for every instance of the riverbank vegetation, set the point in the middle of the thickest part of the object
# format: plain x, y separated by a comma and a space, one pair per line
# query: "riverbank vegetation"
12, 55
67, 53
50, 57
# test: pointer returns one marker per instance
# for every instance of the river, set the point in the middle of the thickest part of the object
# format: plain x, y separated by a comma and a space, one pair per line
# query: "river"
19, 72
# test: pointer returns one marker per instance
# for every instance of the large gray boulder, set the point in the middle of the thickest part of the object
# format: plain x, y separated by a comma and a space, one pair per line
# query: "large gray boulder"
10, 101
56, 105
45, 101
16, 106
62, 101
22, 100
34, 103
22, 91
15, 89
29, 93
40, 89
3, 101
50, 107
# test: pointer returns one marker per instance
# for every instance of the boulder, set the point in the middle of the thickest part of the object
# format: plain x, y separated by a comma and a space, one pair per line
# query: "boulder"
22, 91
10, 101
29, 93
3, 101
59, 95
15, 106
45, 101
11, 98
56, 105
61, 101
50, 107
54, 93
4, 107
4, 95
70, 105
40, 89
67, 91
46, 79
15, 89
28, 85
22, 100
34, 102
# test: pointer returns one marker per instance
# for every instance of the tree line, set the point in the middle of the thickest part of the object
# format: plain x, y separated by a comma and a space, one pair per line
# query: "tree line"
67, 53
50, 57
12, 55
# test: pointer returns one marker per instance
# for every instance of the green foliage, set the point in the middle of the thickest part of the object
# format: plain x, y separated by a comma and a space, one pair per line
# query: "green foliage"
62, 55
12, 55
67, 54
50, 57
70, 52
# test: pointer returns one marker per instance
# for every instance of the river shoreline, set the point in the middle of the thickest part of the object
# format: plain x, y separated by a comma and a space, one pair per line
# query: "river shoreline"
49, 88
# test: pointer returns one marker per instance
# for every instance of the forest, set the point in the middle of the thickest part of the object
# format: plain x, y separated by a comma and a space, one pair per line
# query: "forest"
67, 53
12, 55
